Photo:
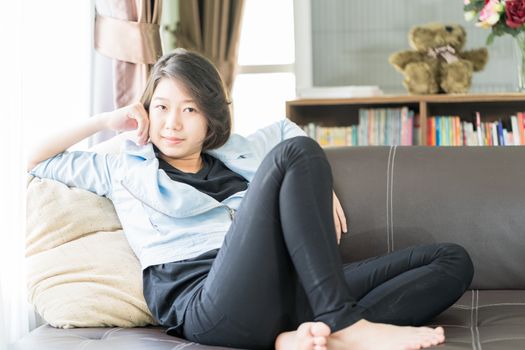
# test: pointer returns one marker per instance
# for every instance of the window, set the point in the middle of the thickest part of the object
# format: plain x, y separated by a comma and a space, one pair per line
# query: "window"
266, 76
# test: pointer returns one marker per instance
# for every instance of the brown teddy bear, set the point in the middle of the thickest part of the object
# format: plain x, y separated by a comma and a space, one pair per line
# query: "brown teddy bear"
438, 65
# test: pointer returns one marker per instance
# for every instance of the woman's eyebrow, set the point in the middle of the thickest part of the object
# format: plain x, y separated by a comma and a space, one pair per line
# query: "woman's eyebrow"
160, 98
166, 99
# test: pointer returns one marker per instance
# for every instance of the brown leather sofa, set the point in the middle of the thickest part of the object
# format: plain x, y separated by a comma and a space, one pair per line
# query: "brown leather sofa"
395, 197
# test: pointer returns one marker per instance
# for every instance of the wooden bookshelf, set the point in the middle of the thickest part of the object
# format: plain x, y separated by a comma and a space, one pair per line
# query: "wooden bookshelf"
344, 112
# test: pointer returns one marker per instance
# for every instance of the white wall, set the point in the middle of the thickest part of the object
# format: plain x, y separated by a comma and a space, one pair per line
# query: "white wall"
351, 42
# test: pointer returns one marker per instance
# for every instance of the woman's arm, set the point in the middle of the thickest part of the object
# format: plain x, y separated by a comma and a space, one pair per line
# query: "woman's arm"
264, 139
113, 145
126, 118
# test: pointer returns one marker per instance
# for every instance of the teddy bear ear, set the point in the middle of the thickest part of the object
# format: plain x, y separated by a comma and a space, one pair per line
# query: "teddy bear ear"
462, 30
419, 33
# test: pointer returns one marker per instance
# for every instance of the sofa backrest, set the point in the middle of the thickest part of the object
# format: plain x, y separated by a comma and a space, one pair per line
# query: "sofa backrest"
399, 196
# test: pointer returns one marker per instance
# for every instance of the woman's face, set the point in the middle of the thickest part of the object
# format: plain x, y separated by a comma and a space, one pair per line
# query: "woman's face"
177, 126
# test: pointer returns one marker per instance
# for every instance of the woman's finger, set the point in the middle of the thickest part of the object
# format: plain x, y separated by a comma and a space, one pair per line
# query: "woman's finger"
140, 115
146, 124
340, 212
342, 217
136, 125
145, 131
337, 227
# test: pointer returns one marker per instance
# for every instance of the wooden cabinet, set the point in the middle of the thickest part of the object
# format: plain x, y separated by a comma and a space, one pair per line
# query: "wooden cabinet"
345, 112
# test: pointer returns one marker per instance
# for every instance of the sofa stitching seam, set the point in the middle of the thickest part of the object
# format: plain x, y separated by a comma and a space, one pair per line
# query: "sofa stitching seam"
461, 307
501, 304
472, 321
182, 346
477, 318
500, 339
391, 196
387, 197
109, 332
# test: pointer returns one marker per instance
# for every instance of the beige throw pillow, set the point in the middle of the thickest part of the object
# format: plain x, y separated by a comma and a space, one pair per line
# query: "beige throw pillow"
81, 270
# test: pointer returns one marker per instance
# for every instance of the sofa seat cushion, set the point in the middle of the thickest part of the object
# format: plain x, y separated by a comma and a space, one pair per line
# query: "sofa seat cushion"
485, 320
140, 338
479, 320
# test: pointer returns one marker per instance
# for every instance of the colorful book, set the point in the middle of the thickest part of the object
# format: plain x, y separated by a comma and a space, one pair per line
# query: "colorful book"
515, 130
478, 129
501, 141
520, 128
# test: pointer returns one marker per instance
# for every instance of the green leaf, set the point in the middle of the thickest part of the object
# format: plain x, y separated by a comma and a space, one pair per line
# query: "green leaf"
511, 31
490, 38
498, 29
474, 6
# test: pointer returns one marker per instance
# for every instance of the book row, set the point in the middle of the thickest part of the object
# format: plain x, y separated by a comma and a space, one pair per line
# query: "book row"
451, 131
400, 126
385, 126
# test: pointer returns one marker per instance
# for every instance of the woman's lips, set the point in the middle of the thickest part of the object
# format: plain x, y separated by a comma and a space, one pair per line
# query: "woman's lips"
172, 140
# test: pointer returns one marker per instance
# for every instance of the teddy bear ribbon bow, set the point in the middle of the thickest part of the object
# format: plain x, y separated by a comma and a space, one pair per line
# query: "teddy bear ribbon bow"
446, 52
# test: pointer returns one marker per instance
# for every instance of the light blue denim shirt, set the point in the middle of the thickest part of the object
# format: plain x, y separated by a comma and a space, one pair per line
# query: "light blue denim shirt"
165, 220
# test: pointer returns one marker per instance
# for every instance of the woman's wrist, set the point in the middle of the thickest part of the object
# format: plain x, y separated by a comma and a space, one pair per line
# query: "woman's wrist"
101, 121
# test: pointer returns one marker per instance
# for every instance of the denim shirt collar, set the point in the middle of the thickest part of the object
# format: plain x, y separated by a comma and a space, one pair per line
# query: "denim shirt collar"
154, 188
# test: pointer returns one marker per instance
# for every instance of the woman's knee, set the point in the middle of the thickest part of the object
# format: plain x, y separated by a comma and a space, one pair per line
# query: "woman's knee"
460, 261
298, 147
302, 144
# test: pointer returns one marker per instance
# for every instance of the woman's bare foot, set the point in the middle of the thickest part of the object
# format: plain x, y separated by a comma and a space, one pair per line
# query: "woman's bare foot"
308, 336
364, 335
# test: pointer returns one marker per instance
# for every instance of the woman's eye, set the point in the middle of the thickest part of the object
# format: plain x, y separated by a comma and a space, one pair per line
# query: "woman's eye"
190, 109
160, 107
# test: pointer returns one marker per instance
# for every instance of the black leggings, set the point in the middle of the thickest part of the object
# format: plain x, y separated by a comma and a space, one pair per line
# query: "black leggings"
280, 266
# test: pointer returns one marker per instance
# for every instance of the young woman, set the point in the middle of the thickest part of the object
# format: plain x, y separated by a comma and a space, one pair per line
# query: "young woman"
237, 236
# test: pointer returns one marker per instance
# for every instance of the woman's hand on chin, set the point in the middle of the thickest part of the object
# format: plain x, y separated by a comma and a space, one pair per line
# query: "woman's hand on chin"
131, 117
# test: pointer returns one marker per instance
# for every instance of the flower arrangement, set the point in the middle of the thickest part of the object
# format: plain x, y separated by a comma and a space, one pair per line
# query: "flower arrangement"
502, 16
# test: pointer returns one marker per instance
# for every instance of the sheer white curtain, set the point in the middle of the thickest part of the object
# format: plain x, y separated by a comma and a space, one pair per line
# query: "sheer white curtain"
15, 314
44, 80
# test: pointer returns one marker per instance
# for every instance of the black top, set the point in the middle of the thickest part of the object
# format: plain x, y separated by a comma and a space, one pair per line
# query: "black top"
215, 179
170, 287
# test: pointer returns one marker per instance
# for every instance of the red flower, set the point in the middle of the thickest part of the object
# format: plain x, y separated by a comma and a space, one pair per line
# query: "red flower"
515, 11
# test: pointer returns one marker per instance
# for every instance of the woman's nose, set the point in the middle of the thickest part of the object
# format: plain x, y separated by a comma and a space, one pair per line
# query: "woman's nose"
173, 121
